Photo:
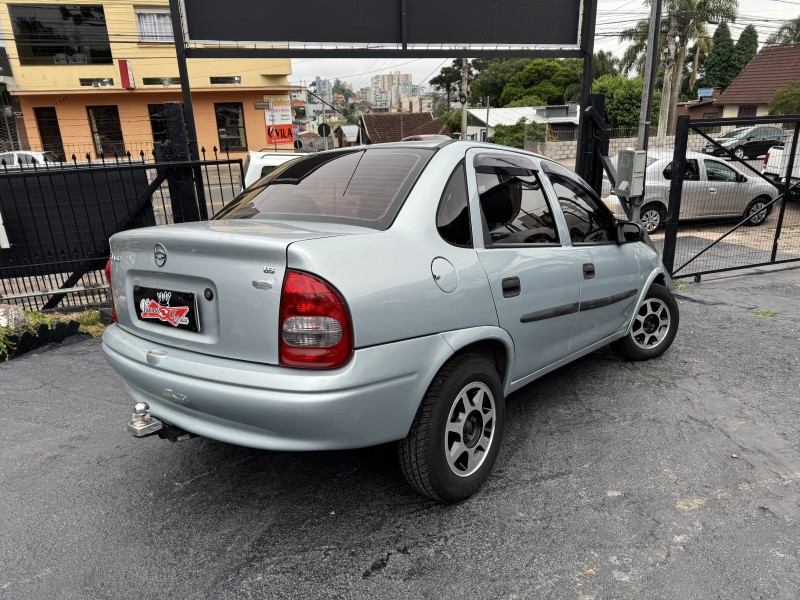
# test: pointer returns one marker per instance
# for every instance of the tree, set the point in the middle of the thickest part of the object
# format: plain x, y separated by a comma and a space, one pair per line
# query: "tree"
721, 65
636, 53
788, 33
786, 101
604, 63
492, 77
515, 135
623, 100
543, 78
746, 48
449, 78
340, 87
527, 101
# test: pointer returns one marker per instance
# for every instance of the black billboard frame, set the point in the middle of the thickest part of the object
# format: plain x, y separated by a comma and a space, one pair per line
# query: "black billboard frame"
584, 51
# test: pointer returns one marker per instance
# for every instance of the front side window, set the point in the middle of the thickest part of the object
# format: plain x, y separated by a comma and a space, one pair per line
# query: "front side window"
452, 217
59, 34
106, 130
154, 24
514, 208
691, 171
716, 171
230, 125
588, 219
359, 187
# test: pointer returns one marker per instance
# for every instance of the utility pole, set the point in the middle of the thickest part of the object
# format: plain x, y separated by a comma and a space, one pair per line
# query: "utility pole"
463, 96
666, 89
487, 122
650, 70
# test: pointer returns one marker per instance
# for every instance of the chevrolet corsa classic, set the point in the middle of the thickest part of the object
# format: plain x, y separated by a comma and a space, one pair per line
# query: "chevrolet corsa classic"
377, 294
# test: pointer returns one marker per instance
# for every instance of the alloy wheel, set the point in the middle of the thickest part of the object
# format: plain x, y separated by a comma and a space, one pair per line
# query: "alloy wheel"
757, 213
651, 324
651, 220
470, 429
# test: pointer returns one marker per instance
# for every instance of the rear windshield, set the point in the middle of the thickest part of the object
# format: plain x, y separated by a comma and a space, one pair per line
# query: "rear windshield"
362, 187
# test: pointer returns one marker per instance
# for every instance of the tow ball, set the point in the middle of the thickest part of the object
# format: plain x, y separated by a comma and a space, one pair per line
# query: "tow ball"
142, 424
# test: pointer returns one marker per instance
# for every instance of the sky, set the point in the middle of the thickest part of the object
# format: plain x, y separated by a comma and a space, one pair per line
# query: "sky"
612, 17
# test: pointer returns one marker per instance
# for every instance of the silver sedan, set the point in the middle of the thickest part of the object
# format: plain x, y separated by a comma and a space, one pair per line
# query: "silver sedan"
386, 293
711, 189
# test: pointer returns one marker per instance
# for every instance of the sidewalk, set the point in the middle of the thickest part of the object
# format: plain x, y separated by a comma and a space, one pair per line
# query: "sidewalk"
772, 289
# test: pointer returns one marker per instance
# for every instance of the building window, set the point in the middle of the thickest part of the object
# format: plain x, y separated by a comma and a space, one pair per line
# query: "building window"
164, 81
106, 130
235, 79
96, 81
747, 111
60, 34
230, 125
154, 24
49, 131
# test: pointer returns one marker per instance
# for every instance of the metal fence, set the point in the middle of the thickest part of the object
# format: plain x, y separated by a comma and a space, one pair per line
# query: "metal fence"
56, 217
725, 197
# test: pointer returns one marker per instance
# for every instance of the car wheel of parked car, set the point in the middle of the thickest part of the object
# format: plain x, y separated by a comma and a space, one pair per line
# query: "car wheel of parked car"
654, 326
456, 434
652, 217
739, 152
756, 211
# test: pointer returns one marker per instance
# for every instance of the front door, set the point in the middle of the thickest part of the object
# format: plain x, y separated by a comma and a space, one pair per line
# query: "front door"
532, 271
49, 131
609, 272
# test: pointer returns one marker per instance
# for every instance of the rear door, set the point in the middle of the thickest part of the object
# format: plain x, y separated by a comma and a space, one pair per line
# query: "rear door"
532, 272
609, 272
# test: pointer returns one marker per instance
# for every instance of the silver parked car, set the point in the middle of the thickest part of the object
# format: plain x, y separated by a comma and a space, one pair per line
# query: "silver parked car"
711, 189
385, 293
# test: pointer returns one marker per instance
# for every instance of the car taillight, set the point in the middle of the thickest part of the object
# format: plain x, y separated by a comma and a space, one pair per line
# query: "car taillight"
110, 292
315, 328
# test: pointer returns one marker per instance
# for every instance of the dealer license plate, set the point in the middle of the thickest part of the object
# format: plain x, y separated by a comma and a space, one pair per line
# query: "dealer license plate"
166, 307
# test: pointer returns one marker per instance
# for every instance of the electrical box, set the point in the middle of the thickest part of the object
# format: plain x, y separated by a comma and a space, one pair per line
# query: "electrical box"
630, 173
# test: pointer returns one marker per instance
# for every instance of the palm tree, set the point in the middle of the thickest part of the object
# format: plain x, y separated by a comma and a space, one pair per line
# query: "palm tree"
788, 33
685, 21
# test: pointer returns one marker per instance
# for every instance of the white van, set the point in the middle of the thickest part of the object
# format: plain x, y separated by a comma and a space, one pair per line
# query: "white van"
258, 164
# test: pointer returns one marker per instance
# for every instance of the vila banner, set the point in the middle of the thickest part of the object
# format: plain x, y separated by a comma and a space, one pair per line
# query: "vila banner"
278, 120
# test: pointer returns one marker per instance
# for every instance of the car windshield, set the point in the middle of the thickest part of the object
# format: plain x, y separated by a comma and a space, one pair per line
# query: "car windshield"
735, 133
360, 187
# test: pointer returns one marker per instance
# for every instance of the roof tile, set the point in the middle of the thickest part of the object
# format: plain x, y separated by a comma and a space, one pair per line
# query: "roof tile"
773, 68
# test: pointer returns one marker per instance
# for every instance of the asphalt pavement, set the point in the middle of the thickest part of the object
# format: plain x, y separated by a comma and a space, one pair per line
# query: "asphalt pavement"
675, 478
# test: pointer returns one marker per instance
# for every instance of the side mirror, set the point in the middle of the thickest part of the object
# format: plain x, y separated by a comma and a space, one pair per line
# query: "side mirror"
740, 178
629, 232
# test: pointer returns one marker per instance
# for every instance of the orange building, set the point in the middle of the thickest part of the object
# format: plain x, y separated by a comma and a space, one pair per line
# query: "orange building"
93, 78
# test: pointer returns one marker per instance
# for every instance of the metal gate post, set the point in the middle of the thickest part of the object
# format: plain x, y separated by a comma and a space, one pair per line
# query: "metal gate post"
185, 207
675, 192
785, 194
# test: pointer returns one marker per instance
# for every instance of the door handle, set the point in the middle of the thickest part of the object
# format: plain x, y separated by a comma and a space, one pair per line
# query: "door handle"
712, 190
588, 271
511, 287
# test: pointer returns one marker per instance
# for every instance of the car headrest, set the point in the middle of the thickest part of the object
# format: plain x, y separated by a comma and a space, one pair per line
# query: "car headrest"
501, 204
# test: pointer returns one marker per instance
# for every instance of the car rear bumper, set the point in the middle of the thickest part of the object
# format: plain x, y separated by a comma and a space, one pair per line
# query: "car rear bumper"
370, 401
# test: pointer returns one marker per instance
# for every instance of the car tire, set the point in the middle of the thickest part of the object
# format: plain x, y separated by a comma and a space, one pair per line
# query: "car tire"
463, 411
753, 214
738, 152
654, 326
652, 217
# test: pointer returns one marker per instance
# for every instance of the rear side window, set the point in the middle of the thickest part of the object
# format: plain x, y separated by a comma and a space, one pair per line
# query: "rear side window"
360, 187
514, 208
452, 217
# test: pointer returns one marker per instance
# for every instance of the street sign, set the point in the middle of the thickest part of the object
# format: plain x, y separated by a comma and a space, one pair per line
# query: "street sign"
262, 105
298, 144
324, 130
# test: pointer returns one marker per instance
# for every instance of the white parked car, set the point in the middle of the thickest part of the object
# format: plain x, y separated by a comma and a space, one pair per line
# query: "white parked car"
263, 162
25, 158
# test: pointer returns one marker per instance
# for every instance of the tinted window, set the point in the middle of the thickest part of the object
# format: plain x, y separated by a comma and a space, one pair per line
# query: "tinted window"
716, 171
513, 205
362, 187
452, 217
106, 130
60, 34
690, 173
230, 125
588, 219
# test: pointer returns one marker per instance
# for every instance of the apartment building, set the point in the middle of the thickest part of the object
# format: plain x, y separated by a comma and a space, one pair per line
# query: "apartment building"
93, 78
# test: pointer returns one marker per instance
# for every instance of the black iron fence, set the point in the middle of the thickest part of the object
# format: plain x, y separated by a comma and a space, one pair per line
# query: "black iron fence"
728, 195
56, 216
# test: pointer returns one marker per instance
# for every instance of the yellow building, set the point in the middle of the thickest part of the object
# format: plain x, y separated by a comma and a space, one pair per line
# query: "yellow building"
93, 78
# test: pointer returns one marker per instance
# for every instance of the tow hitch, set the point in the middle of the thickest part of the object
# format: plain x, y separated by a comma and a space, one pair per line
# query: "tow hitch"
143, 424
